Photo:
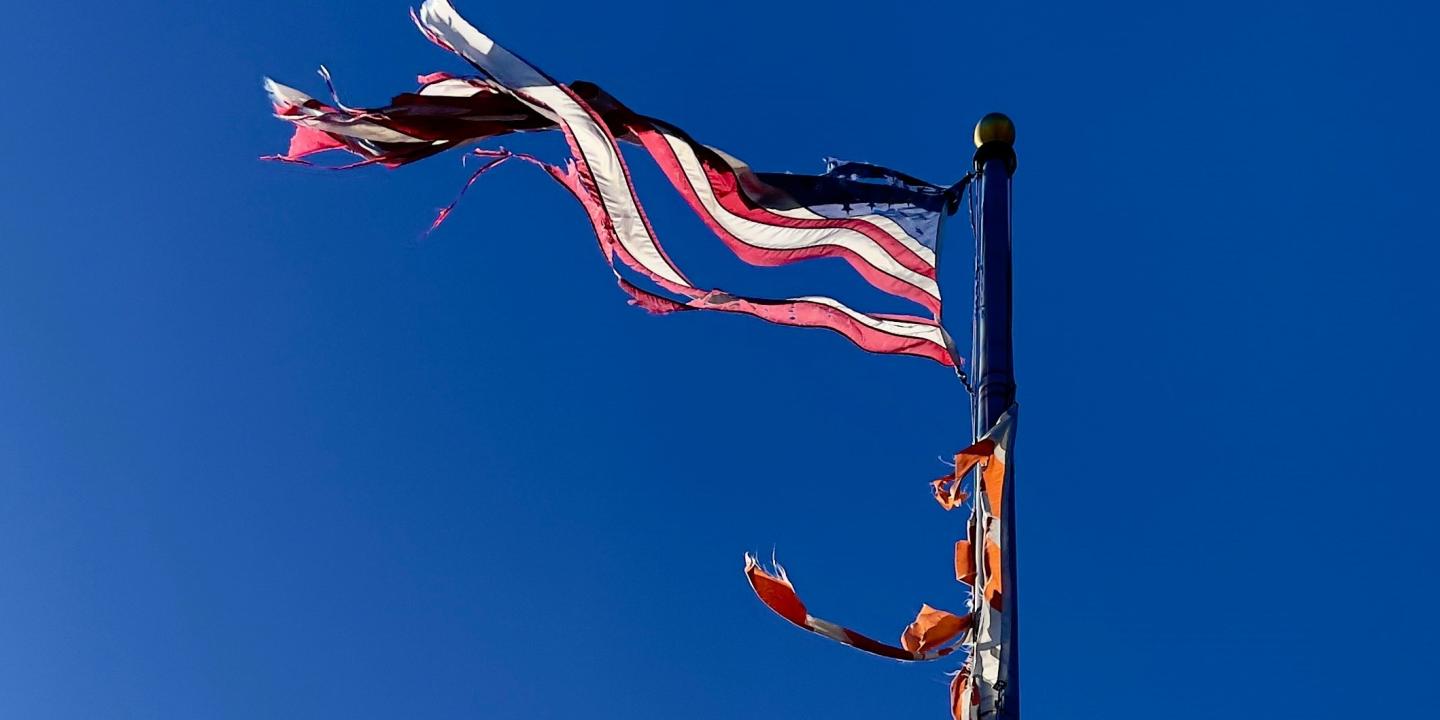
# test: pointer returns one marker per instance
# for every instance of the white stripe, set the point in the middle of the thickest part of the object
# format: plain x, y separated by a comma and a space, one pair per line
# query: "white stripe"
286, 95
828, 629
453, 87
918, 331
599, 153
773, 237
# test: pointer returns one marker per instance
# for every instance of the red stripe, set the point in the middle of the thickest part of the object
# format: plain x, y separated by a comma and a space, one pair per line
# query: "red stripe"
811, 314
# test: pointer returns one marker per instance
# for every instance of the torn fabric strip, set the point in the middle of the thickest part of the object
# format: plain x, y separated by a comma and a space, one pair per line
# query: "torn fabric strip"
933, 634
884, 224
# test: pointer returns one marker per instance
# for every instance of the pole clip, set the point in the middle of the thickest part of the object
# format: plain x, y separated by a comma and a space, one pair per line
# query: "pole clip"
995, 150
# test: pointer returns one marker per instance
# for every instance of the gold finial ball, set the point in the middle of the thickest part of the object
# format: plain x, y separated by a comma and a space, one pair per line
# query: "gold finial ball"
995, 127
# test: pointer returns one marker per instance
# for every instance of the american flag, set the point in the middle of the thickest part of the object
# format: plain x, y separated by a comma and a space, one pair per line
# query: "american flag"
884, 224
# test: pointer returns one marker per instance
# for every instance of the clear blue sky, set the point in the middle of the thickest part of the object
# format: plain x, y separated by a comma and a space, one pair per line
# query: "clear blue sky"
265, 453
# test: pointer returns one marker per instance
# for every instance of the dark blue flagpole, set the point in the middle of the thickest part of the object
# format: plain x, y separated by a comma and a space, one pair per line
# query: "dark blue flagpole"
994, 360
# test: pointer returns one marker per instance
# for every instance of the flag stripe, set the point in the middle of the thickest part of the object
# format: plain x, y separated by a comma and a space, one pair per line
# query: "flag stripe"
914, 336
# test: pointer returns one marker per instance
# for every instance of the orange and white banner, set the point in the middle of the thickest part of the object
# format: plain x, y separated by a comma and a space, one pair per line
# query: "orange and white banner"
978, 690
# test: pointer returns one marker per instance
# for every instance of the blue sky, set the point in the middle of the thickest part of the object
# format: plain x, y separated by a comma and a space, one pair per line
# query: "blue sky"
266, 452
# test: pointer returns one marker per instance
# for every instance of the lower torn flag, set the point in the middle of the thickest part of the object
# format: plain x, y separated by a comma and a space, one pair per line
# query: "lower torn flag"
984, 633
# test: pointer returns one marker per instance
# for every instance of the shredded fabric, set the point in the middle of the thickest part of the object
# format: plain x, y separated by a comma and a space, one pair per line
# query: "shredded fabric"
931, 636
932, 629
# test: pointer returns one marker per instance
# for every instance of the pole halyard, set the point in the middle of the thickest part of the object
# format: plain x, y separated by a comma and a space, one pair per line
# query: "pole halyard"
994, 358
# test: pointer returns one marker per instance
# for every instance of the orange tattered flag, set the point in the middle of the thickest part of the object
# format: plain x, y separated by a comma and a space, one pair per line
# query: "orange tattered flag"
932, 629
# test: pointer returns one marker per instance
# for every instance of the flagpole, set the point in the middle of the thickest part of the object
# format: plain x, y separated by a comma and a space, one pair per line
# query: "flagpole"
994, 358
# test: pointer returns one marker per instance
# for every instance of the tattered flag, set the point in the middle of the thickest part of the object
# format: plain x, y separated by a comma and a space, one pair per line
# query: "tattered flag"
884, 224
